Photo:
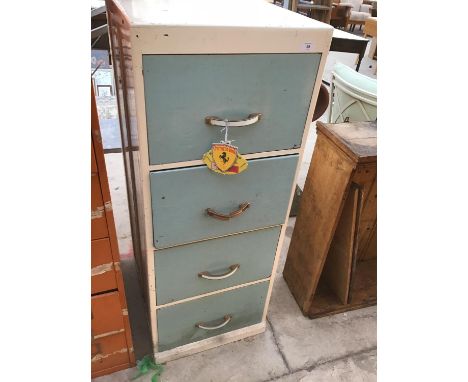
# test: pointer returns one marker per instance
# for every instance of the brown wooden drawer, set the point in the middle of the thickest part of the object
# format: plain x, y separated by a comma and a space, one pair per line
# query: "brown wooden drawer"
109, 352
102, 267
106, 314
98, 216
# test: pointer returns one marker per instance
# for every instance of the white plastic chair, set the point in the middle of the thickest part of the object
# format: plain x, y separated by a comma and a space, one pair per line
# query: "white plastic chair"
353, 96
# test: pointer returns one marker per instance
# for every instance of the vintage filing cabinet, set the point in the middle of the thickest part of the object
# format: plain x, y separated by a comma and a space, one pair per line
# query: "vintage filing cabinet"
111, 340
207, 277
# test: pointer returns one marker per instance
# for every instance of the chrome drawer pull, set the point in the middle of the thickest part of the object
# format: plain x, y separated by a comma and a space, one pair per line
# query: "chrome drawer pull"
233, 269
249, 120
227, 318
233, 214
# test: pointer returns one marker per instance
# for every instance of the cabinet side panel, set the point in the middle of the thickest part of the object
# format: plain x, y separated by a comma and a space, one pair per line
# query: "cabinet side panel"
321, 203
337, 268
119, 32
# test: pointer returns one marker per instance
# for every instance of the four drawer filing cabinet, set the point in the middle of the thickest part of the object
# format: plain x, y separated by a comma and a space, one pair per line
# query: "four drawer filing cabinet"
207, 244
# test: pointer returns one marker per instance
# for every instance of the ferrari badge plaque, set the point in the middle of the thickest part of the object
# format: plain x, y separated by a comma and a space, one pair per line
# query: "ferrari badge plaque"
224, 158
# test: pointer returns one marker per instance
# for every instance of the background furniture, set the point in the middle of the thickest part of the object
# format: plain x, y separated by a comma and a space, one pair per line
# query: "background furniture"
373, 4
304, 7
359, 14
332, 260
353, 96
210, 243
340, 15
370, 29
319, 10
347, 42
341, 42
99, 37
111, 340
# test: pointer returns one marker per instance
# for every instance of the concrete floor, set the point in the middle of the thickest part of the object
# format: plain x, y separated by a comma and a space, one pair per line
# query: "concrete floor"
293, 348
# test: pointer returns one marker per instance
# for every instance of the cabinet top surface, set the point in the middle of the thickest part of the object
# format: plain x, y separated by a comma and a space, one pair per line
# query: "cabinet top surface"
226, 13
357, 139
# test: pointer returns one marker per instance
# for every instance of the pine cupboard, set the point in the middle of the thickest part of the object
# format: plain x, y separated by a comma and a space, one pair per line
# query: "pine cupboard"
331, 264
207, 244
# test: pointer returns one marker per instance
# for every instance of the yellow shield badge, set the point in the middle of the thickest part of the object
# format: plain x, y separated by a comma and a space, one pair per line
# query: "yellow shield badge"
224, 158
224, 155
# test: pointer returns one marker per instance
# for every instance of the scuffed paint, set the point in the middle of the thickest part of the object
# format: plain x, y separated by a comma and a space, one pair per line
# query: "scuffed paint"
97, 213
108, 206
100, 269
108, 334
98, 357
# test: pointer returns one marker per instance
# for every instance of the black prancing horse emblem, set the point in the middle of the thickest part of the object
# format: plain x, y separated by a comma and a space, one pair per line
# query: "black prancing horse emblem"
223, 157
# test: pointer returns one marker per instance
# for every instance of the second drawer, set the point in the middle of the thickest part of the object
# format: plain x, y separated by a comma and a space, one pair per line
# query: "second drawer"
181, 197
198, 268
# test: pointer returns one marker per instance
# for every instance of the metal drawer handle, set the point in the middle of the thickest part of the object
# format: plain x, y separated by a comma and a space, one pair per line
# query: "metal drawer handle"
227, 318
233, 214
233, 269
249, 120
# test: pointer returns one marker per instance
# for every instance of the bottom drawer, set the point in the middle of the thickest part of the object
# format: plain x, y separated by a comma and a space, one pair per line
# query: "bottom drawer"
109, 352
210, 316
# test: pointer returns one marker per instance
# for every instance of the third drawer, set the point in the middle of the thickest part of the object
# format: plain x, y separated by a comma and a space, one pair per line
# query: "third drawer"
181, 197
194, 269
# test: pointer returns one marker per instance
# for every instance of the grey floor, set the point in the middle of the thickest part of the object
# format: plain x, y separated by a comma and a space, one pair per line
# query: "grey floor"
293, 348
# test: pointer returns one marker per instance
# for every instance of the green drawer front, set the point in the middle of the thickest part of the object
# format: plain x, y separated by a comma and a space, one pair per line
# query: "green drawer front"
178, 268
181, 90
176, 324
180, 198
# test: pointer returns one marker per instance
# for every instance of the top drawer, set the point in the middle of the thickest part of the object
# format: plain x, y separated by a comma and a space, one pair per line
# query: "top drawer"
181, 90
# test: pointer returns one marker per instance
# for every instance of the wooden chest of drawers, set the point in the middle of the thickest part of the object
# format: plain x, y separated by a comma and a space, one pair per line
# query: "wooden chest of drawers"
208, 281
111, 340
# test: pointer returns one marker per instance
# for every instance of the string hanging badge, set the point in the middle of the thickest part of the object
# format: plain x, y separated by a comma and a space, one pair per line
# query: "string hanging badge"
224, 158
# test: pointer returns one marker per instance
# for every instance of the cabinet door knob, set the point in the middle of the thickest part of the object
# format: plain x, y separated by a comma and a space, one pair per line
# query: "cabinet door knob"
226, 318
249, 120
232, 269
233, 214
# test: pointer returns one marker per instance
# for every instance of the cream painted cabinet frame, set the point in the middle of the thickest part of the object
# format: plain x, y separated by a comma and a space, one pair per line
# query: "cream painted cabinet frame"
263, 37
